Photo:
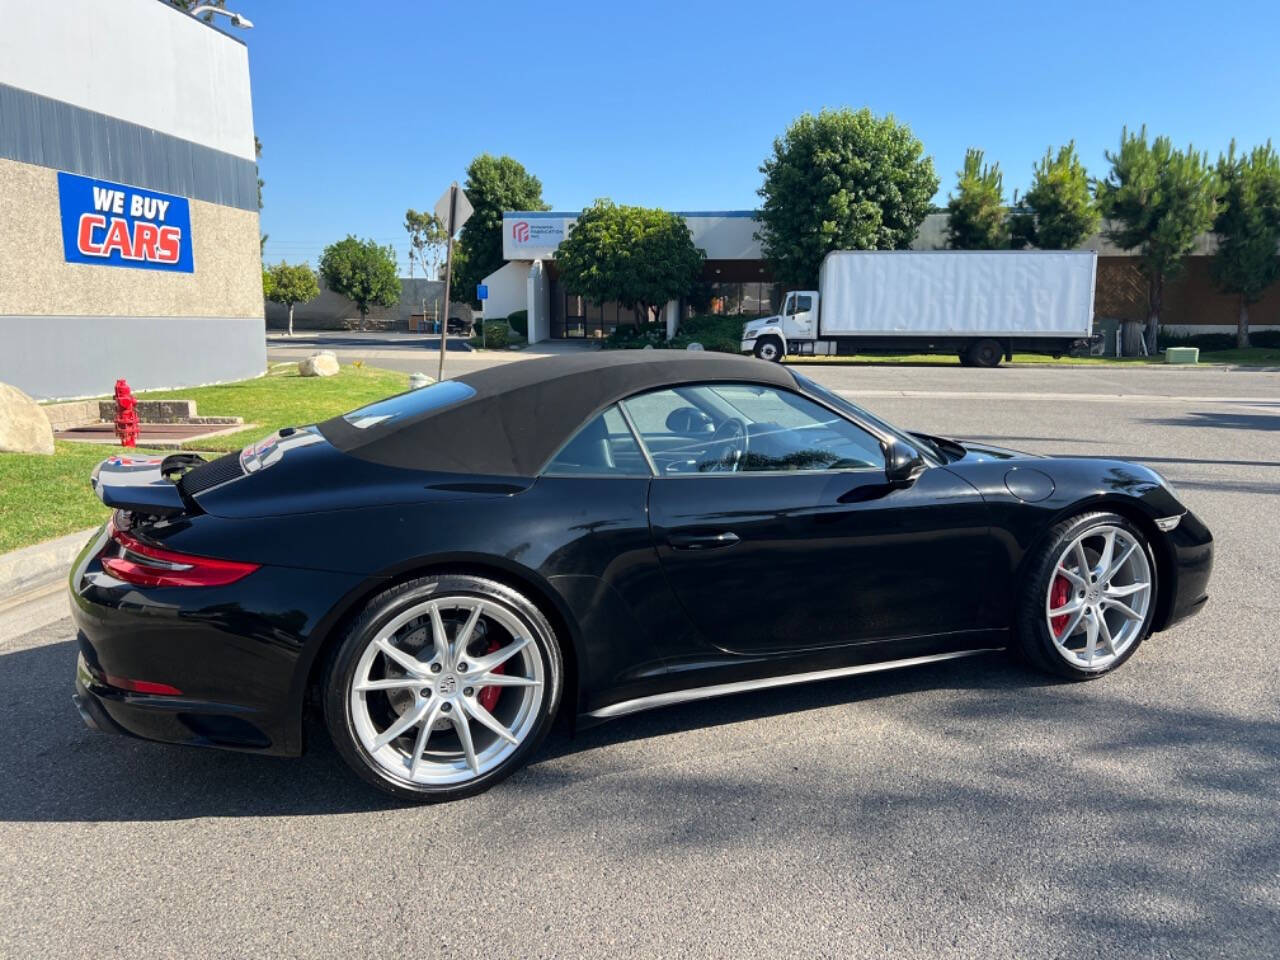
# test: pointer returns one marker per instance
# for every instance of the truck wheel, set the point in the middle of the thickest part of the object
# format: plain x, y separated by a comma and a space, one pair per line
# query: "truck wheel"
769, 348
985, 353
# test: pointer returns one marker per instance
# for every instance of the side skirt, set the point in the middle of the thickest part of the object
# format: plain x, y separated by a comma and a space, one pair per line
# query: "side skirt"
625, 707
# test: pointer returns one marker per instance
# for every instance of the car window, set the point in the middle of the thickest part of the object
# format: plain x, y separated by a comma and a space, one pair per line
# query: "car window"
403, 405
804, 304
605, 446
747, 428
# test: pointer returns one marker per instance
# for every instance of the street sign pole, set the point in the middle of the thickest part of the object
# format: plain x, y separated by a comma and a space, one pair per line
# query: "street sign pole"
453, 209
448, 275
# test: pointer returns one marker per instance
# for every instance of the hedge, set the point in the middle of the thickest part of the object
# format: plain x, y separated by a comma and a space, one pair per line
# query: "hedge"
722, 334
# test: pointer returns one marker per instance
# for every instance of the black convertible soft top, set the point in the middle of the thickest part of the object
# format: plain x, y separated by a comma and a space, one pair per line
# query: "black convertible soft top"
523, 411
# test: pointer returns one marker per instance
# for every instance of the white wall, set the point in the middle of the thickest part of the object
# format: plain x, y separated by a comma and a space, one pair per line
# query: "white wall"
138, 60
508, 290
724, 236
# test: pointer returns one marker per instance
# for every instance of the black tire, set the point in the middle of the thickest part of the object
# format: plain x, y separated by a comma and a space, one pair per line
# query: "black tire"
380, 611
1034, 644
985, 353
770, 348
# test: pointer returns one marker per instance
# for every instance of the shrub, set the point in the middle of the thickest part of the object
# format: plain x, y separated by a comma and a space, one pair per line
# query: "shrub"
519, 322
1205, 341
497, 336
1218, 341
1265, 338
632, 337
723, 334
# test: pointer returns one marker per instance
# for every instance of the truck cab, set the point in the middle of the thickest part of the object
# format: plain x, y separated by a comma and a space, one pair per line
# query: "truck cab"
768, 337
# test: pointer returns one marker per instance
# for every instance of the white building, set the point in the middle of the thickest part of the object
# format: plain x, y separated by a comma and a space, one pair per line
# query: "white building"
738, 277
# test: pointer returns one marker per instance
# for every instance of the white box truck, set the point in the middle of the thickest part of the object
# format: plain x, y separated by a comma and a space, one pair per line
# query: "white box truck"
982, 305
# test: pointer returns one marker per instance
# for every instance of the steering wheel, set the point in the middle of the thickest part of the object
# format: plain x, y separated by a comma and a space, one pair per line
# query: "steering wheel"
728, 446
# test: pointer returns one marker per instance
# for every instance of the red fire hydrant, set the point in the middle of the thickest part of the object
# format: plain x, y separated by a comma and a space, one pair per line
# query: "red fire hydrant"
126, 415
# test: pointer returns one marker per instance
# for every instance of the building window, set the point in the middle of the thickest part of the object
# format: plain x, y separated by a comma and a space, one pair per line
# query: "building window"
752, 298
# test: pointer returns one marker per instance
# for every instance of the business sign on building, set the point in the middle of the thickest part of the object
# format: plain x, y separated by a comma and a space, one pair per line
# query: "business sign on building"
532, 238
114, 225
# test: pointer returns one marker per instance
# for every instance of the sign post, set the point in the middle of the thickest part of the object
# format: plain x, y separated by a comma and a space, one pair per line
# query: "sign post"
453, 209
482, 294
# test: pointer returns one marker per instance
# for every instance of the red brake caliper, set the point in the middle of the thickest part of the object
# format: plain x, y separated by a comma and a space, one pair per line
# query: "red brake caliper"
488, 696
1059, 594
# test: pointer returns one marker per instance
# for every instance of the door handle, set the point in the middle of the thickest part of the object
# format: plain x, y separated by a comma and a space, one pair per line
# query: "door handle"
702, 541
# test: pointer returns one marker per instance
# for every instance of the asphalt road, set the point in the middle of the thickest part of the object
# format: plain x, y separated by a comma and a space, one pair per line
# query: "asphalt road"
968, 809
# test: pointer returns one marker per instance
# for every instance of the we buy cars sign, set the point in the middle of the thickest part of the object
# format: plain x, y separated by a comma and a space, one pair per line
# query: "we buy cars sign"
114, 225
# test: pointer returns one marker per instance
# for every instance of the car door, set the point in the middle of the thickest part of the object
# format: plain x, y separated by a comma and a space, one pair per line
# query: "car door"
795, 539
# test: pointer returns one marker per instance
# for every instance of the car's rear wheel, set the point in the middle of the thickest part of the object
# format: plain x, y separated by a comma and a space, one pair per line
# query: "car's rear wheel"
1089, 597
443, 687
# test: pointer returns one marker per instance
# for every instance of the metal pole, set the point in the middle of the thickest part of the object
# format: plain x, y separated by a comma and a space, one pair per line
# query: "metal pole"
448, 275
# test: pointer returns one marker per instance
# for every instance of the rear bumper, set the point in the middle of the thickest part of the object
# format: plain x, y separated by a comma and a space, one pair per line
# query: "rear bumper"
234, 658
180, 720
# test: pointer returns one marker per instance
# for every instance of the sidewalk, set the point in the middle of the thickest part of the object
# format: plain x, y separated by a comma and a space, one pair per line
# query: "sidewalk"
32, 583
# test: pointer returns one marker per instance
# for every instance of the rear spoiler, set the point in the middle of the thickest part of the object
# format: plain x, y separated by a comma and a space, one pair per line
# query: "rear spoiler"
146, 485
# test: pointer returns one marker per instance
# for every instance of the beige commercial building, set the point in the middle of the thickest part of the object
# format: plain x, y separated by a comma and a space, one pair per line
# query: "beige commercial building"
129, 236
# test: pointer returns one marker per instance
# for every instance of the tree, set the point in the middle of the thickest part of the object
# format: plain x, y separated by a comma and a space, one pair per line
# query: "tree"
977, 218
427, 239
363, 272
638, 256
1157, 200
290, 283
1248, 228
1058, 212
494, 185
841, 180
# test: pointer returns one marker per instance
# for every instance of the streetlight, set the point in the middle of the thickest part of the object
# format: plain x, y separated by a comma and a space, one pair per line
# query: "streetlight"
236, 20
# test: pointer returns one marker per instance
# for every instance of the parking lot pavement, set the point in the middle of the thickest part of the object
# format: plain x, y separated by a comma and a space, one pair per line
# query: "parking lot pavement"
970, 809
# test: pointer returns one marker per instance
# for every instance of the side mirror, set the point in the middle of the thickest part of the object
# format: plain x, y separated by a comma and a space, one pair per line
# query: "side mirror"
903, 464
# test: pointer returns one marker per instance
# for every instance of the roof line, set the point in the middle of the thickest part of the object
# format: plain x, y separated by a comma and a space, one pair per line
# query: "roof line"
565, 214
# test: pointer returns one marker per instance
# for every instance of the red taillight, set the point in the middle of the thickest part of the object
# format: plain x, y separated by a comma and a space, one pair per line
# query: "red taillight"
147, 566
142, 686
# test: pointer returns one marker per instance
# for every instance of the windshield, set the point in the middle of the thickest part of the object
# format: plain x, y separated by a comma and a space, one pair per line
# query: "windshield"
411, 404
840, 403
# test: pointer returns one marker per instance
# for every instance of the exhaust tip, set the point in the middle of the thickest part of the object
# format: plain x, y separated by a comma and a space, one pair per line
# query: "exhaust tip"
85, 715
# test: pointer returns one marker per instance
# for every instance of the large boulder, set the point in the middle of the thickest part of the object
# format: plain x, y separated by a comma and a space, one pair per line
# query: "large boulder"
24, 427
322, 364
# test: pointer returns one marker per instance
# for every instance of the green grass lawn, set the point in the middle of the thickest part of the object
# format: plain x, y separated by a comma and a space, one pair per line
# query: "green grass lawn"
283, 399
44, 497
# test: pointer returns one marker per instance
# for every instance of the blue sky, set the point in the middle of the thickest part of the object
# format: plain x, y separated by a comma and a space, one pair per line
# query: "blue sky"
365, 109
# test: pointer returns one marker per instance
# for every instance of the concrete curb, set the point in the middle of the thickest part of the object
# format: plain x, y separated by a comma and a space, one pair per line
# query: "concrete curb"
40, 563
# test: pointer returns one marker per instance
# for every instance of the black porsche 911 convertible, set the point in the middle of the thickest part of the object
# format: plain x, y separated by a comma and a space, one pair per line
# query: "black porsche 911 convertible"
444, 570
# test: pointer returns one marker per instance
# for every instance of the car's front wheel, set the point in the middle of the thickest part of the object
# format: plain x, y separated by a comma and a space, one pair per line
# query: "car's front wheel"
443, 687
1088, 599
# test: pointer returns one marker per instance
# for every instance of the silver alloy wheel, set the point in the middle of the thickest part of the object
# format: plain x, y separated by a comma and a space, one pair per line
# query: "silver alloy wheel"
1098, 597
416, 691
769, 349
